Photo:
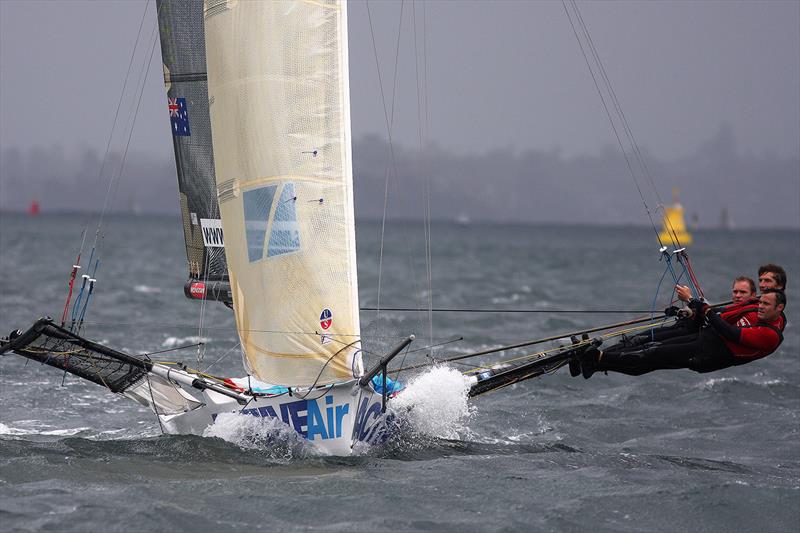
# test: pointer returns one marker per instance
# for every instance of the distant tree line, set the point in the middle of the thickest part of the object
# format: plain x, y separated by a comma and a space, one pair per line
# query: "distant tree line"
499, 185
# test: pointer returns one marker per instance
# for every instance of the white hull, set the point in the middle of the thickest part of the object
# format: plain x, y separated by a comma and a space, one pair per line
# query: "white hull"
333, 419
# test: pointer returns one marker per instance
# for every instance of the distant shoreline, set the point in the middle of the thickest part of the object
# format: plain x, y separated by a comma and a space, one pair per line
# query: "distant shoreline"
444, 221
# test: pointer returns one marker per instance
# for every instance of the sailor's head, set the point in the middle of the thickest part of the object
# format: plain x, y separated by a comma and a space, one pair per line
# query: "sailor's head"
743, 289
771, 276
771, 304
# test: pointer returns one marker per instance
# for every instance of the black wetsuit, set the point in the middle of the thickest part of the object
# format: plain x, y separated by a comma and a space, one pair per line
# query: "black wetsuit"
681, 328
704, 351
701, 352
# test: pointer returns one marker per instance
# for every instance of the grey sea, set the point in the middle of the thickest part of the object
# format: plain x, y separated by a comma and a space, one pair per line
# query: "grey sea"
669, 451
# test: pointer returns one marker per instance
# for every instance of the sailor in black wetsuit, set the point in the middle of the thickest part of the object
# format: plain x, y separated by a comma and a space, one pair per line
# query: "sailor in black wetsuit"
718, 346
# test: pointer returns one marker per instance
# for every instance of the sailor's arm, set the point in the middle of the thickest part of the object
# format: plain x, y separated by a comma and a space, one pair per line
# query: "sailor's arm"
683, 292
728, 331
761, 338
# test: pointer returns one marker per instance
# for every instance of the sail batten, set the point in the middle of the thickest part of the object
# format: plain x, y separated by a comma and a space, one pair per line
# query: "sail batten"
279, 106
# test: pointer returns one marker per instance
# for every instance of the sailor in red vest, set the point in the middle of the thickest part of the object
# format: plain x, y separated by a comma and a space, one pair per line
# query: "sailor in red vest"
743, 295
717, 346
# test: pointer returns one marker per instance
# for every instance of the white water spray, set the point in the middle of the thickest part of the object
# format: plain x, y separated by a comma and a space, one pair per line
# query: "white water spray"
256, 433
435, 403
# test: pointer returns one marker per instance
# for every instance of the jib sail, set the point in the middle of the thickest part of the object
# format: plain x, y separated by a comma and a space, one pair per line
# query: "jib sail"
183, 53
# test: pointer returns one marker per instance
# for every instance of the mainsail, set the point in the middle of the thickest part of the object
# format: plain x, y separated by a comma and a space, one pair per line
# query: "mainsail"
279, 101
183, 53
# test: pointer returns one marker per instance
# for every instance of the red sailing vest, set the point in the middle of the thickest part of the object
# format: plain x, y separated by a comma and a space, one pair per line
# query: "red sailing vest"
758, 339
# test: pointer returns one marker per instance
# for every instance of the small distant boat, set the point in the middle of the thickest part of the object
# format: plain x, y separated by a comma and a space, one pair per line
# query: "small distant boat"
33, 209
725, 220
463, 220
674, 223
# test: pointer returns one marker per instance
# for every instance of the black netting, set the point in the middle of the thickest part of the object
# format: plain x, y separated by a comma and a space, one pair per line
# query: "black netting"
184, 57
54, 346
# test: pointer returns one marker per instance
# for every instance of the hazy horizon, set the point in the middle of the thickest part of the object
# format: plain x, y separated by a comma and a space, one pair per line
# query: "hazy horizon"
711, 91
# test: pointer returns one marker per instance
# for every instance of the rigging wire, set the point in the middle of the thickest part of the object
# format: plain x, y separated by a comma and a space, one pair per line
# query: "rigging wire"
113, 185
422, 96
389, 112
150, 325
695, 287
143, 75
576, 17
200, 347
78, 311
223, 356
611, 121
622, 118
393, 166
77, 264
391, 144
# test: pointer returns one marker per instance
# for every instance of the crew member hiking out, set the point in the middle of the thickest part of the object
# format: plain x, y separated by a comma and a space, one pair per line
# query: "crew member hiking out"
719, 345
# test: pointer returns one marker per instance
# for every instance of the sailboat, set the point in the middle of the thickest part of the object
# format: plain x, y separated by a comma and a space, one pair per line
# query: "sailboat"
258, 98
267, 209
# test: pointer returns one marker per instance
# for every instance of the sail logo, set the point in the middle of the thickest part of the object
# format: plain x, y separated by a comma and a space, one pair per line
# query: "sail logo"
370, 426
325, 319
308, 418
212, 232
198, 290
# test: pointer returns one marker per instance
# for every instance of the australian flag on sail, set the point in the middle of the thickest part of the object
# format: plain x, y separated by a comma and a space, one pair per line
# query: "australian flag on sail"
178, 116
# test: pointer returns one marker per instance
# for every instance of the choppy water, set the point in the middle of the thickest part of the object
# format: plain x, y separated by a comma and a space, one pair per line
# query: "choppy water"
668, 451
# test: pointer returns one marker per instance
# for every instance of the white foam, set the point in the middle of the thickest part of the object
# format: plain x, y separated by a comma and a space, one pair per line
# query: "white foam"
713, 383
256, 433
514, 297
171, 342
435, 403
146, 289
9, 430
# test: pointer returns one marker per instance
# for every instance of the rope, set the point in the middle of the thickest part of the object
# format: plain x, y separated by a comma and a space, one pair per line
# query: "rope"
70, 284
92, 281
77, 303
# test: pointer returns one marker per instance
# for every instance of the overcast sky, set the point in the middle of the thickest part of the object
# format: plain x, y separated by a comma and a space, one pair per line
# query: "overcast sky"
500, 74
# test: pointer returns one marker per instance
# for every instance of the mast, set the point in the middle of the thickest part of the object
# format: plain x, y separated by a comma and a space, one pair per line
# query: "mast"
279, 104
180, 24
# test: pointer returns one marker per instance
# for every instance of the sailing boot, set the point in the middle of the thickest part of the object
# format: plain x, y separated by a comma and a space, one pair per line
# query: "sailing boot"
590, 357
574, 363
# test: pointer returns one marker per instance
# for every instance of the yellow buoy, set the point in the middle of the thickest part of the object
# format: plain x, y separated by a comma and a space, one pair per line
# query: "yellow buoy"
674, 224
